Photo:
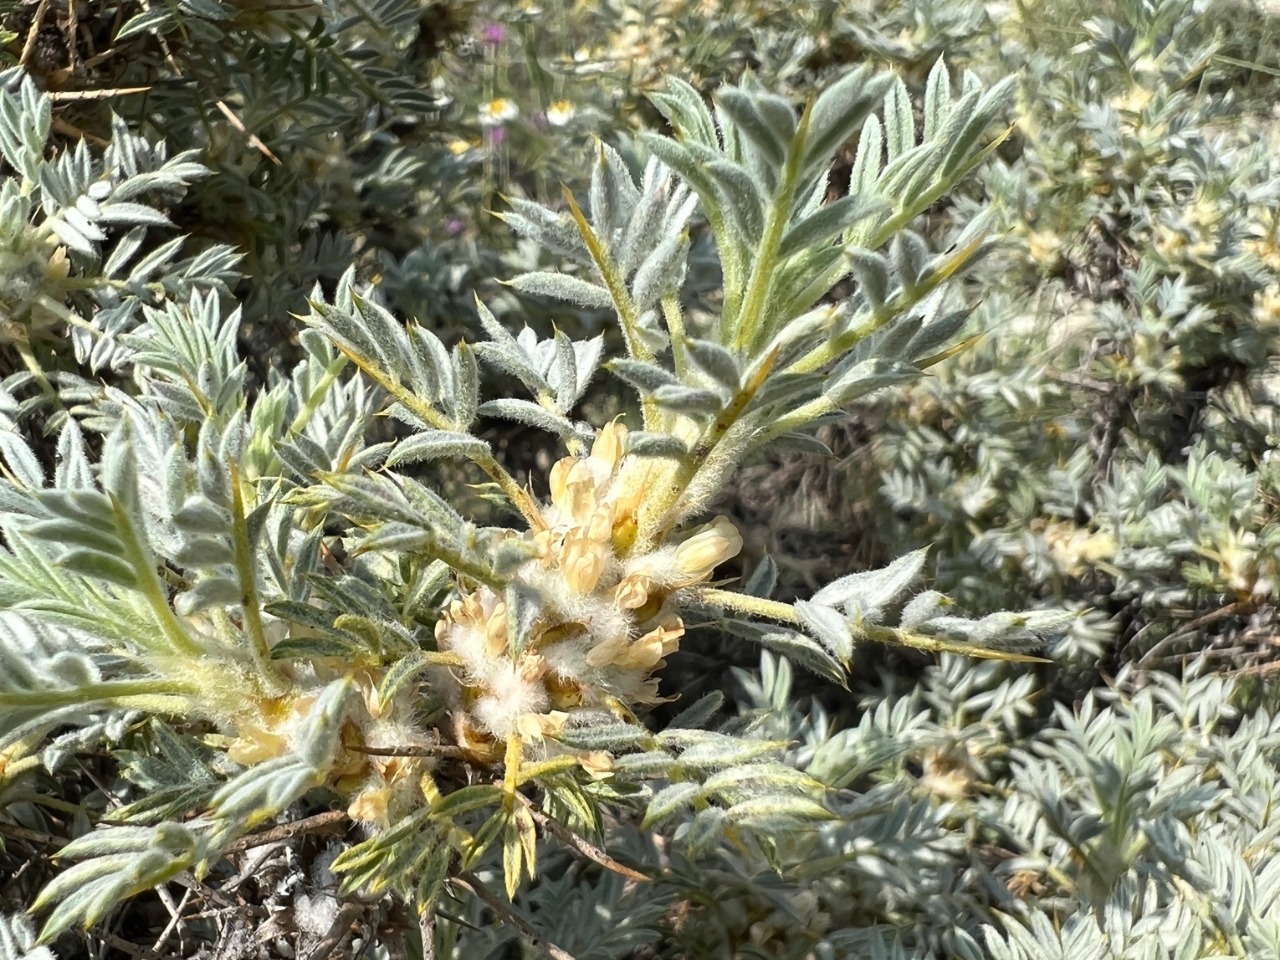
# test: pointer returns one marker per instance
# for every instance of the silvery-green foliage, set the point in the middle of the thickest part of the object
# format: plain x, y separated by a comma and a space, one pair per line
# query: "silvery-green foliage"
18, 940
321, 120
188, 538
1112, 438
1139, 825
78, 239
1158, 807
258, 568
119, 578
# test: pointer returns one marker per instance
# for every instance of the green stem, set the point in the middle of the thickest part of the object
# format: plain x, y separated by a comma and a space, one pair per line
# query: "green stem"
905, 214
462, 563
420, 408
65, 314
124, 692
745, 603
833, 349
659, 518
316, 397
675, 326
249, 602
763, 270
457, 560
23, 346
613, 282
731, 266
797, 418
40, 799
11, 771
139, 557
893, 636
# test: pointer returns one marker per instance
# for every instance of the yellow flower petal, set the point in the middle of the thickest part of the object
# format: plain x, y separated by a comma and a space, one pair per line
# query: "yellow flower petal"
711, 544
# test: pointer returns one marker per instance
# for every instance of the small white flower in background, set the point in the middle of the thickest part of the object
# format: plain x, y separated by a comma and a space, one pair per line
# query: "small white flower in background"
560, 113
498, 111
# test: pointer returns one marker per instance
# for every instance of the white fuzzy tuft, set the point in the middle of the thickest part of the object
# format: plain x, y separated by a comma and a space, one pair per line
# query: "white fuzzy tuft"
659, 566
567, 659
469, 643
510, 697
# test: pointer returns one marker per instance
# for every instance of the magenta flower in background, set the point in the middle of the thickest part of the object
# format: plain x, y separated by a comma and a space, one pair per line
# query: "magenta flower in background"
494, 34
453, 227
496, 135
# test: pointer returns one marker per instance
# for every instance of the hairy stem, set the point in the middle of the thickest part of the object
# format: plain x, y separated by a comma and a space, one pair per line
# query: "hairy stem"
518, 496
139, 557
120, 692
661, 512
245, 573
749, 322
744, 603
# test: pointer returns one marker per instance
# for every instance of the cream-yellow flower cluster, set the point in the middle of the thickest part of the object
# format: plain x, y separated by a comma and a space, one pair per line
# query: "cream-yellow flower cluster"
606, 620
605, 623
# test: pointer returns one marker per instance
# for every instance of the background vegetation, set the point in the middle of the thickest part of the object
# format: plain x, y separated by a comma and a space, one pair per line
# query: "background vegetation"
1105, 443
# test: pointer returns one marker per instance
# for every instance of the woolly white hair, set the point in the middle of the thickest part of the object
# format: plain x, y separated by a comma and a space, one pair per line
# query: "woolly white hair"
510, 697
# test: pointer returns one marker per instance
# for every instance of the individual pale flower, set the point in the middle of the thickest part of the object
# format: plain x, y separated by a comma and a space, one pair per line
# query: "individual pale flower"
475, 628
1266, 306
604, 653
458, 146
583, 561
59, 265
711, 544
1265, 250
597, 763
498, 111
580, 485
256, 744
632, 591
1078, 550
648, 652
370, 806
642, 654
271, 735
1044, 246
573, 490
393, 775
560, 113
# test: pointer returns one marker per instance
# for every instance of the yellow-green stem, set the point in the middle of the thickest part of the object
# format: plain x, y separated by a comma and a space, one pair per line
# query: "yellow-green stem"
248, 580
747, 324
893, 636
613, 282
141, 561
430, 415
661, 514
745, 603
123, 692
315, 398
675, 326
833, 349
